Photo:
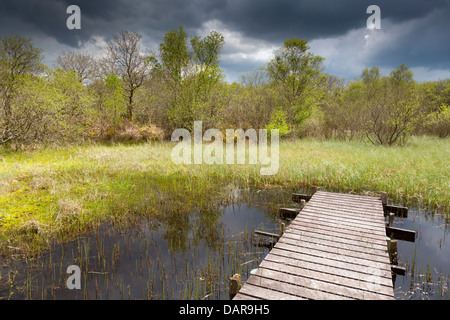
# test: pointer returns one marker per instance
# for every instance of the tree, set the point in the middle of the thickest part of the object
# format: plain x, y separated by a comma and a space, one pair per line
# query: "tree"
298, 73
82, 64
391, 103
192, 77
126, 59
18, 59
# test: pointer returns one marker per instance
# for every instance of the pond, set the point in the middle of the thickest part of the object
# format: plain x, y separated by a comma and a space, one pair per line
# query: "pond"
192, 256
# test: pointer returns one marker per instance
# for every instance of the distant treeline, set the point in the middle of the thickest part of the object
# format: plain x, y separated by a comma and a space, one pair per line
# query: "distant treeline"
132, 94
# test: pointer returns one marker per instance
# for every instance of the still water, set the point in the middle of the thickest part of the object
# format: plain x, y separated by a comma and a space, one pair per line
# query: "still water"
192, 256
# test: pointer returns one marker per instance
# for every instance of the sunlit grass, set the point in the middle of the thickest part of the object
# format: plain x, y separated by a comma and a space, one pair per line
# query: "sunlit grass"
52, 193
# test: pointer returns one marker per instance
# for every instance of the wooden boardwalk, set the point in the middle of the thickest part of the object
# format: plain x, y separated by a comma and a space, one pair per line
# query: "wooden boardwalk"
334, 249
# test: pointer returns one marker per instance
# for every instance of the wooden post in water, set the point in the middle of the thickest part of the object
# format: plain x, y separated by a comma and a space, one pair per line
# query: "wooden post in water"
234, 284
391, 219
302, 203
384, 198
282, 226
393, 251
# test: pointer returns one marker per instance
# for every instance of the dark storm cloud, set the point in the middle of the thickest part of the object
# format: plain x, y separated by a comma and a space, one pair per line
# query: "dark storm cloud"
424, 43
267, 19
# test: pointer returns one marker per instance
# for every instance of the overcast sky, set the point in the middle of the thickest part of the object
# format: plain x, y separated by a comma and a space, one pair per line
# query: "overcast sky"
413, 32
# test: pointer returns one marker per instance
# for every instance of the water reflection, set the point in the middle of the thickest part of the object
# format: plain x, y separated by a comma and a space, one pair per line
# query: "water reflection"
173, 255
427, 259
191, 255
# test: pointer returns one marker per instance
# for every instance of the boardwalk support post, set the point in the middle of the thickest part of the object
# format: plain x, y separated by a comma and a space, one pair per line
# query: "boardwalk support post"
384, 198
393, 251
234, 284
282, 227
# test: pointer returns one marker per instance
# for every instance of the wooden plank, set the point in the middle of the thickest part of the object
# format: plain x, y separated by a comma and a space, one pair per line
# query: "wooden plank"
267, 234
401, 234
261, 292
360, 278
346, 202
332, 255
297, 197
335, 248
346, 208
283, 283
353, 246
363, 216
305, 243
399, 211
241, 296
347, 227
340, 285
347, 196
398, 270
342, 219
285, 251
289, 212
318, 289
333, 230
338, 238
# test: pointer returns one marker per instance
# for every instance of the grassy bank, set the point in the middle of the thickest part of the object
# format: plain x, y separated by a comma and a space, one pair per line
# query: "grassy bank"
56, 193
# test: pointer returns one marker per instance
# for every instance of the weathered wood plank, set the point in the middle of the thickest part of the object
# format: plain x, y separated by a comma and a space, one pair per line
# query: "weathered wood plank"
353, 211
319, 289
283, 283
348, 227
241, 296
399, 211
285, 251
288, 212
335, 248
324, 266
338, 238
297, 197
401, 234
340, 285
364, 258
347, 196
333, 230
316, 214
267, 234
264, 292
339, 210
353, 246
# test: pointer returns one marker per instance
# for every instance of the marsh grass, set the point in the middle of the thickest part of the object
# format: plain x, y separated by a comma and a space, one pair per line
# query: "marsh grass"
58, 193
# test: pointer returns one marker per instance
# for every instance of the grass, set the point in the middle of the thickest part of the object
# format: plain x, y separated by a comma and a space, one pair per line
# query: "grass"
56, 193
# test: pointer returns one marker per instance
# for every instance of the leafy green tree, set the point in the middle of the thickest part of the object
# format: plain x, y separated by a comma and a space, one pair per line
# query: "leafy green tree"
192, 77
114, 104
278, 121
298, 74
392, 105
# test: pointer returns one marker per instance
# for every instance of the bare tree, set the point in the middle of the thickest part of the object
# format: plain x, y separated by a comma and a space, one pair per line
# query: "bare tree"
125, 58
82, 64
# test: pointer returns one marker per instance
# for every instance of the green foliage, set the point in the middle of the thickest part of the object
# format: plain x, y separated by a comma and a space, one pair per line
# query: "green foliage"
18, 58
438, 122
114, 102
278, 121
130, 91
192, 77
297, 73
